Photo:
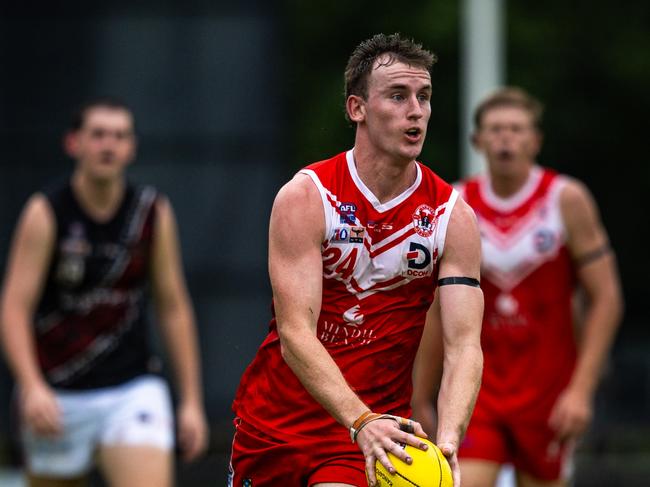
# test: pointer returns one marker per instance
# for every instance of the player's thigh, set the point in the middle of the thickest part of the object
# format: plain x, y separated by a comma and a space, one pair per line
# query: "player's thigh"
37, 481
525, 480
478, 473
67, 457
482, 452
139, 413
136, 466
538, 457
259, 460
136, 440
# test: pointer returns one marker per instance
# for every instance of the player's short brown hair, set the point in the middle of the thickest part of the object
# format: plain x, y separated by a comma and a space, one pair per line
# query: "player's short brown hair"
78, 117
398, 48
510, 96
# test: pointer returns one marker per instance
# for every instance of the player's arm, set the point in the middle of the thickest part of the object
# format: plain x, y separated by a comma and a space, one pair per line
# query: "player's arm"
596, 269
176, 317
427, 371
297, 230
27, 266
461, 314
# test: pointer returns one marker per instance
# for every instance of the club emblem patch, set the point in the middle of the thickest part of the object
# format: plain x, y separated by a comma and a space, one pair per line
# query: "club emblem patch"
544, 241
424, 220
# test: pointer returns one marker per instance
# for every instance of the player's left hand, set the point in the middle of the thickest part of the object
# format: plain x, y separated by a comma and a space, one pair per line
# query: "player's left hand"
571, 414
192, 431
450, 450
384, 435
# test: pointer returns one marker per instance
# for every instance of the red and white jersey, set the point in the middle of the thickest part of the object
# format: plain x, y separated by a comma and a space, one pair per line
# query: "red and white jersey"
528, 281
380, 266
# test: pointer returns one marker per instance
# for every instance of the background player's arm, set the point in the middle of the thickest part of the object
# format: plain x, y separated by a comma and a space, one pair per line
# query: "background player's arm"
427, 371
297, 230
461, 314
596, 269
176, 316
27, 266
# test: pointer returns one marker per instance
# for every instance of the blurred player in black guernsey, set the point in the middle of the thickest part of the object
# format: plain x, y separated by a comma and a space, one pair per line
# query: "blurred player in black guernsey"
84, 255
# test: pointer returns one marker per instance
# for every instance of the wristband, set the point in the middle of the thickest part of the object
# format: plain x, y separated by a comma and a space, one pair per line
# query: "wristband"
369, 417
354, 429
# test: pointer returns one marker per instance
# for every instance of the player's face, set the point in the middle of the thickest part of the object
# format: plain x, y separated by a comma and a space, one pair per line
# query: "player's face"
398, 108
508, 139
105, 144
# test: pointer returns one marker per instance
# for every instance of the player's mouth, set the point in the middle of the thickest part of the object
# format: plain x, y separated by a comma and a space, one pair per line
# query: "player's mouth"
414, 134
505, 154
107, 157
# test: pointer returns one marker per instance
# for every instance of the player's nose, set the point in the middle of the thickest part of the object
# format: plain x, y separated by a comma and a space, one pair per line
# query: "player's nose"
415, 109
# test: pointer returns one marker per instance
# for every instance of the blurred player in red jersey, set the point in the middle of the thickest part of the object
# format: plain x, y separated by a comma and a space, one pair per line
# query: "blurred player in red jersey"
74, 329
541, 238
358, 245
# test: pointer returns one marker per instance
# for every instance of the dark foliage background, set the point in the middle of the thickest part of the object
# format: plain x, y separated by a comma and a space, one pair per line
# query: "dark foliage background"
232, 98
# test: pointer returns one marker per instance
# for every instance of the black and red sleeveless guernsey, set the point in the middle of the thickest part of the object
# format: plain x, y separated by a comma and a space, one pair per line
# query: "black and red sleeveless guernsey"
90, 324
380, 269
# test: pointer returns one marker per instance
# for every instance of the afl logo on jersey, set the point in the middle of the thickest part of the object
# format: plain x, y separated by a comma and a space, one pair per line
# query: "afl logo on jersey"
348, 211
424, 220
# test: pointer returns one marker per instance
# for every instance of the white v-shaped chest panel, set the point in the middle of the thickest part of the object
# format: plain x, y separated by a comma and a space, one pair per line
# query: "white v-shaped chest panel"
509, 256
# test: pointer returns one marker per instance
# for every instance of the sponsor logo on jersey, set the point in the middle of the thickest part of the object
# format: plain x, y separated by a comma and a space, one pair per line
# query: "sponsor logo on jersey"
332, 333
348, 235
354, 316
348, 211
506, 304
341, 235
424, 220
379, 226
144, 417
544, 240
356, 234
419, 259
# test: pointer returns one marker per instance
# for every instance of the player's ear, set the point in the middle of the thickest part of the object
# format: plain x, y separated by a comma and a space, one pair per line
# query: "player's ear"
71, 144
474, 140
356, 108
539, 139
134, 149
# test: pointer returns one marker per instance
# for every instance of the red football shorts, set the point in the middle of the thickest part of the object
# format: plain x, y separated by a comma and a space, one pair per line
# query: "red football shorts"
530, 447
258, 460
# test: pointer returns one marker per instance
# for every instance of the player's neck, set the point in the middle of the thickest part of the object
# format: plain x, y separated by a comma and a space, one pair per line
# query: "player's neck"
507, 185
100, 199
384, 177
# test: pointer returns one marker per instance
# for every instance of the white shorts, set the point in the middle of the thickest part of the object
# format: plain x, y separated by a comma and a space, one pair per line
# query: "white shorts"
138, 413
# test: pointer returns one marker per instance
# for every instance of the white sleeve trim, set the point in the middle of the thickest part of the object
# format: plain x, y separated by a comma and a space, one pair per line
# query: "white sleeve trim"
327, 207
441, 231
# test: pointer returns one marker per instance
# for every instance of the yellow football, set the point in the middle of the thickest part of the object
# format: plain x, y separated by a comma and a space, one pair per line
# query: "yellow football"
429, 469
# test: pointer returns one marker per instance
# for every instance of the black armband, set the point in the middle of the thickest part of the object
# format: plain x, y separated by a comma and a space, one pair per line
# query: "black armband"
589, 257
465, 281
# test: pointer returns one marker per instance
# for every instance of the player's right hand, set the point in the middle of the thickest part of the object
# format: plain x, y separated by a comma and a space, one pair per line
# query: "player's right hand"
383, 435
40, 410
450, 450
